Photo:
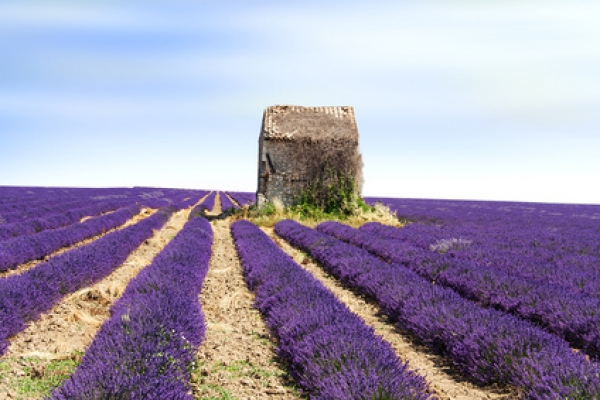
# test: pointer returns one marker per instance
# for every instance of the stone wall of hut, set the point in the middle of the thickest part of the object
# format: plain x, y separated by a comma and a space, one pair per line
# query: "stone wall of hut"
286, 167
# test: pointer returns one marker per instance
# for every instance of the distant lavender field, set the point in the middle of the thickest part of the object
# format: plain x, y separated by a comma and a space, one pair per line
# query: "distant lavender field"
534, 240
540, 262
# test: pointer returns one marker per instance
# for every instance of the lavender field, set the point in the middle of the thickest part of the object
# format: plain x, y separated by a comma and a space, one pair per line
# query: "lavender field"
149, 293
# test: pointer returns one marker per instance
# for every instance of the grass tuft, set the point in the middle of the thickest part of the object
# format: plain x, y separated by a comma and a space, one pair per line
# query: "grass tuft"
355, 215
34, 377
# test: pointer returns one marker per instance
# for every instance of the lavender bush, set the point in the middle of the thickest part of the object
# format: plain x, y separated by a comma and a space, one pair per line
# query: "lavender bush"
550, 243
331, 353
190, 201
485, 344
53, 221
25, 203
242, 198
226, 204
147, 347
24, 297
44, 210
574, 317
26, 248
209, 202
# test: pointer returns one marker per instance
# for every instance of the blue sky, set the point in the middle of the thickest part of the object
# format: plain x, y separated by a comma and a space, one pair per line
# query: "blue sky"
490, 100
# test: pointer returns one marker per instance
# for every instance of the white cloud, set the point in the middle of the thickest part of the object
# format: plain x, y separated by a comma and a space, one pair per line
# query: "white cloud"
515, 59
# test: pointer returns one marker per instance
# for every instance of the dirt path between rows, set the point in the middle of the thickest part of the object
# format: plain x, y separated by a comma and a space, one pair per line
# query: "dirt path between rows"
216, 210
68, 329
443, 379
144, 213
234, 202
238, 357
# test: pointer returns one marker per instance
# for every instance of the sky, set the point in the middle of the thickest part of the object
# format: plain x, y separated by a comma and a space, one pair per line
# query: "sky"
481, 100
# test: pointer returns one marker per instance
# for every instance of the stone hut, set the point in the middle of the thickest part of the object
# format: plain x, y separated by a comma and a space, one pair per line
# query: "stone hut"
299, 146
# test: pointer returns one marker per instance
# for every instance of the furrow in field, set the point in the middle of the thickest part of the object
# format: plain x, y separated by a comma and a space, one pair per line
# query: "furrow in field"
235, 202
216, 210
442, 378
226, 203
237, 357
67, 330
144, 213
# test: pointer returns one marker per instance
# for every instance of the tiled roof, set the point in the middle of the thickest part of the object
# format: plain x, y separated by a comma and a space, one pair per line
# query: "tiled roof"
284, 122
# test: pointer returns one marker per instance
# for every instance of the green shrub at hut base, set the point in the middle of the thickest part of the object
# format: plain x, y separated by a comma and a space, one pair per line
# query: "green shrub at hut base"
336, 199
343, 205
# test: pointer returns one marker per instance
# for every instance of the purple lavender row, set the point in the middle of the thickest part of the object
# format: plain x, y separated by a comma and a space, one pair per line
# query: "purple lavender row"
547, 233
569, 315
575, 273
226, 204
158, 198
179, 198
26, 296
515, 245
551, 243
158, 203
487, 345
39, 193
48, 201
36, 225
242, 198
26, 248
14, 199
49, 205
477, 211
21, 205
190, 201
331, 353
566, 228
248, 198
44, 211
56, 206
23, 198
25, 201
209, 202
234, 202
181, 202
146, 348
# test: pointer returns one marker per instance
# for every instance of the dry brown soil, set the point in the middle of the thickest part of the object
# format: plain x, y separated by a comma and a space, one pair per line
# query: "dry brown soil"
217, 206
